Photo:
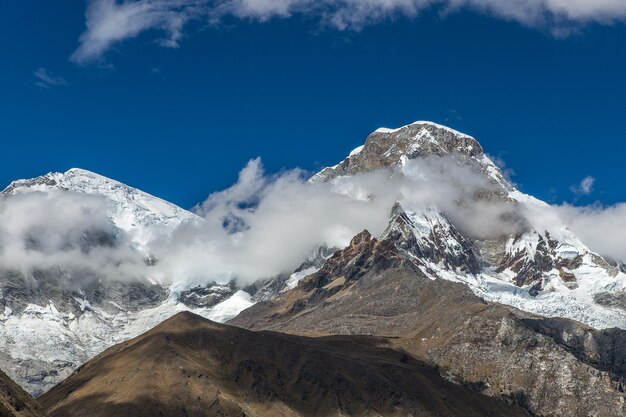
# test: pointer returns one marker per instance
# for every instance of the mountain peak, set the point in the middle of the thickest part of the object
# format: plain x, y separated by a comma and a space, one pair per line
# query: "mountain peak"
138, 213
184, 320
79, 171
385, 130
58, 180
422, 138
86, 172
392, 147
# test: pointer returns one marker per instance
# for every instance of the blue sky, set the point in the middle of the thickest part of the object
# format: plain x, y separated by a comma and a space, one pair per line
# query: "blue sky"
175, 96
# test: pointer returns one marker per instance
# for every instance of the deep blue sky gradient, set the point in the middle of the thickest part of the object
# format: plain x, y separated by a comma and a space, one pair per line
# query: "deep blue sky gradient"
180, 123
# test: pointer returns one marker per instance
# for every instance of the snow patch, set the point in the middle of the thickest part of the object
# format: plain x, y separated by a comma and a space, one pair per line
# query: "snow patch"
231, 307
292, 281
387, 130
356, 151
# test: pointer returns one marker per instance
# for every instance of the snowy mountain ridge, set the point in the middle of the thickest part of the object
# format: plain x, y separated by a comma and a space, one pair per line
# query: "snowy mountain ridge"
423, 123
47, 331
543, 269
143, 216
48, 328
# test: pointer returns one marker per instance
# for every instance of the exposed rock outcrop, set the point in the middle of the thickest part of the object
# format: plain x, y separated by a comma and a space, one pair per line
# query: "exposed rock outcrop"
554, 367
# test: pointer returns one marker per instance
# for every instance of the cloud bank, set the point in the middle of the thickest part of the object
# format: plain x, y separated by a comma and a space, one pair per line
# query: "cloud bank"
56, 229
264, 225
261, 226
109, 22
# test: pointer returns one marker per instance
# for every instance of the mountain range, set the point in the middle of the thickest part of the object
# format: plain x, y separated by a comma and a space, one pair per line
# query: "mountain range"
484, 291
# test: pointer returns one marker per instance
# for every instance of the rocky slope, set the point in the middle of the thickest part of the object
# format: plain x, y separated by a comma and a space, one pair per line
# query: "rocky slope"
188, 366
15, 402
551, 367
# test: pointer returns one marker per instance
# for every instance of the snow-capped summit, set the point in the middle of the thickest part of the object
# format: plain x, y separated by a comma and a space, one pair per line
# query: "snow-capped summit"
392, 147
543, 269
55, 318
385, 130
142, 216
52, 319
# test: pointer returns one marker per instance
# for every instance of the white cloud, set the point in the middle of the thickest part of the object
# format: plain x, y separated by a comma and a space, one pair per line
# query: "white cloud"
264, 225
259, 227
601, 228
110, 21
267, 224
54, 229
45, 79
585, 187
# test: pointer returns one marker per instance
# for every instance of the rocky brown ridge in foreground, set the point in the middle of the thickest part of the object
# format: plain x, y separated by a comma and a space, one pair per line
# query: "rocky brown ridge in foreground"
15, 402
551, 367
189, 366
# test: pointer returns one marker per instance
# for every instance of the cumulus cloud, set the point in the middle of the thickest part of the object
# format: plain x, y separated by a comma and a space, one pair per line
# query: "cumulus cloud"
45, 79
585, 187
261, 226
265, 225
111, 21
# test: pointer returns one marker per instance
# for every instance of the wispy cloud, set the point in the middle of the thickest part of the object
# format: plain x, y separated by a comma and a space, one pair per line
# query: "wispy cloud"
585, 187
109, 21
601, 228
45, 79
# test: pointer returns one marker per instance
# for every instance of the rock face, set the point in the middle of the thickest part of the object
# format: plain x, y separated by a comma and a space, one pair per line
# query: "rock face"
390, 147
351, 263
15, 402
207, 296
430, 238
188, 366
554, 367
